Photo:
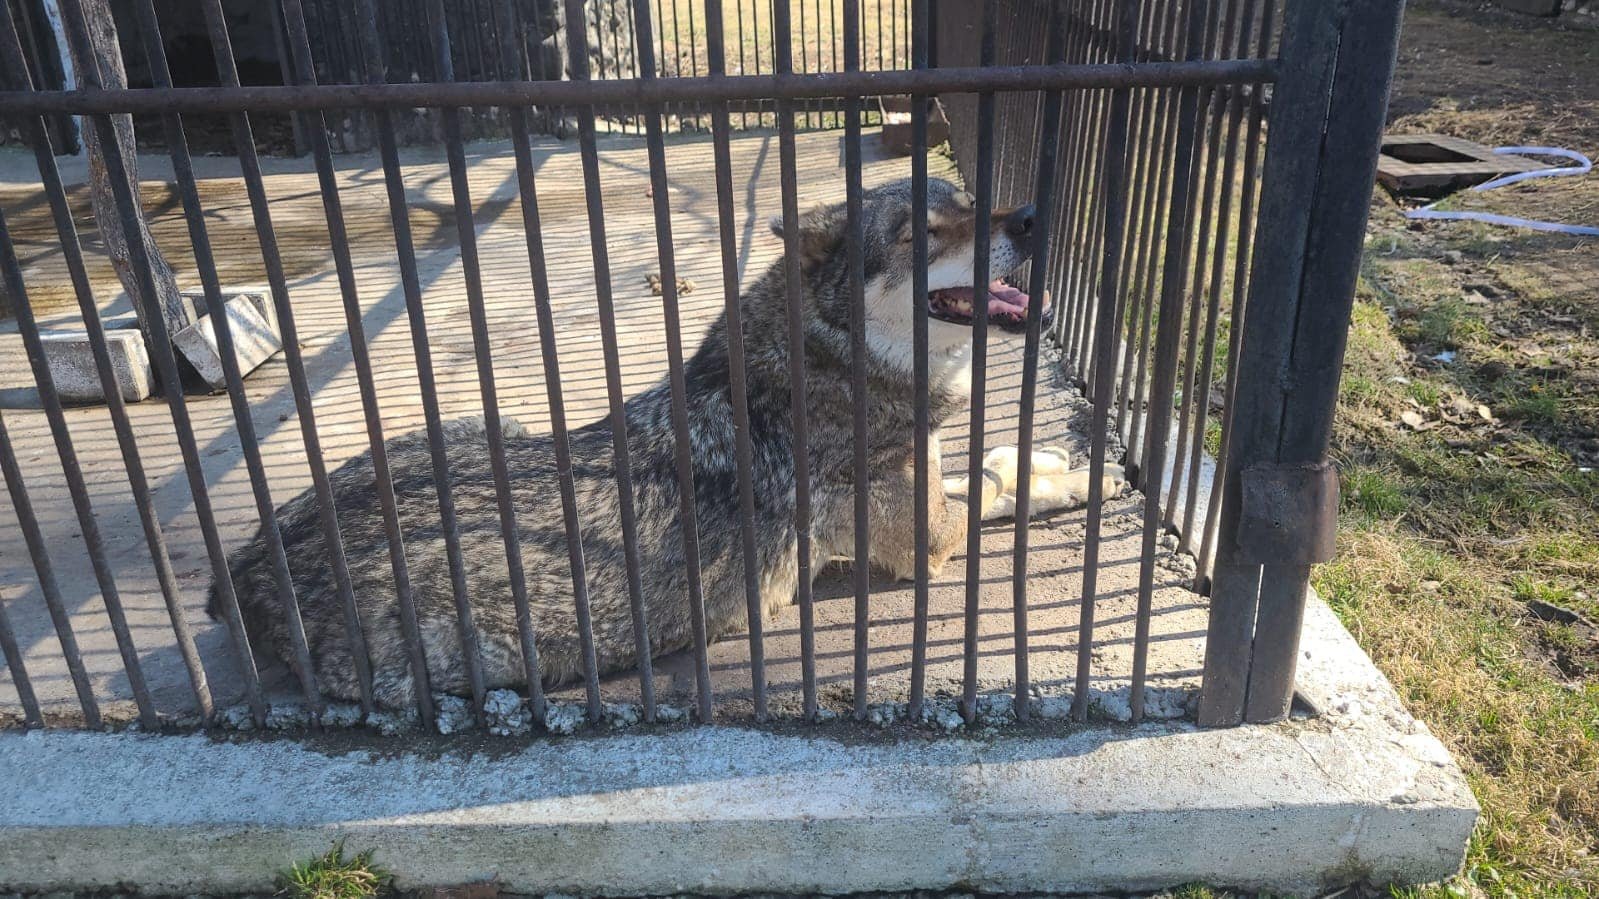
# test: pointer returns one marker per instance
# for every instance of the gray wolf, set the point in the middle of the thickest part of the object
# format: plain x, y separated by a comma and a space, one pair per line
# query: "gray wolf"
825, 282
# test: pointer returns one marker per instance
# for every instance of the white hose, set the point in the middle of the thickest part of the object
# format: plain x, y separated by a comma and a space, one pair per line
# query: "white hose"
1583, 166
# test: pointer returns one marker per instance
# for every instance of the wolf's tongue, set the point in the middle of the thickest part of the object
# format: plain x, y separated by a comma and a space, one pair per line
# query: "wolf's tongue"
1004, 299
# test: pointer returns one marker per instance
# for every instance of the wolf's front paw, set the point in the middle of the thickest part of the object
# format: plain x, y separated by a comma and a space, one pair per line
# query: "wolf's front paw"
1069, 490
1002, 463
999, 464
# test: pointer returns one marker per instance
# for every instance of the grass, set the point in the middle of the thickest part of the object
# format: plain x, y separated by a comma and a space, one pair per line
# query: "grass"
332, 876
1447, 532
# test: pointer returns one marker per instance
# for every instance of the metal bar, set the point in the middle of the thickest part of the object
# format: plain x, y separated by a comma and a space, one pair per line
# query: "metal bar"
1166, 347
1246, 230
1293, 161
1082, 215
785, 86
1151, 177
577, 62
42, 567
1076, 122
923, 419
1235, 111
727, 226
31, 715
1209, 124
532, 229
1049, 141
333, 211
155, 539
1367, 46
466, 236
688, 513
1168, 173
410, 285
859, 398
975, 451
260, 207
76, 486
796, 361
1105, 353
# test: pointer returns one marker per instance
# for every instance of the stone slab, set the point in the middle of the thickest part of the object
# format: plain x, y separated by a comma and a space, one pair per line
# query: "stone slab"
77, 378
255, 340
1364, 793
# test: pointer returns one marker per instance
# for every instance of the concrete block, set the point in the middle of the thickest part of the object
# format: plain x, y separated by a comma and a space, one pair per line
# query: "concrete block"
255, 340
259, 295
1364, 794
78, 380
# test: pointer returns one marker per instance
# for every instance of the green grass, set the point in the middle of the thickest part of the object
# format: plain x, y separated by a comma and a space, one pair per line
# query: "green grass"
1446, 534
332, 876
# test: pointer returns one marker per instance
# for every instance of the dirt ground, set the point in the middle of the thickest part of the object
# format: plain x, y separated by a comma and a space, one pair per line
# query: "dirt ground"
1469, 438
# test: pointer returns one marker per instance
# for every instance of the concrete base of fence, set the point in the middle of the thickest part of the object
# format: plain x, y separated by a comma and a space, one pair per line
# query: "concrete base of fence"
251, 323
76, 377
1361, 793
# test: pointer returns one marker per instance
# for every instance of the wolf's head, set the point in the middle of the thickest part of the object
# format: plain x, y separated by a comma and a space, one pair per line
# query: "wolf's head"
889, 254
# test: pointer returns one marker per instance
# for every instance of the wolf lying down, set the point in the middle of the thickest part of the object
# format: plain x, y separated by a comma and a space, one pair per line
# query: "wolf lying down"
825, 282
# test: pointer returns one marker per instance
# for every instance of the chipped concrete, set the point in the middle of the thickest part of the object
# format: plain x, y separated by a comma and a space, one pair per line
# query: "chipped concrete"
255, 340
1364, 793
77, 377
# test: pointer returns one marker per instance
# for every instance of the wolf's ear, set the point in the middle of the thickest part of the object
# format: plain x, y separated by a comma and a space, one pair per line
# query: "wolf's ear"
820, 231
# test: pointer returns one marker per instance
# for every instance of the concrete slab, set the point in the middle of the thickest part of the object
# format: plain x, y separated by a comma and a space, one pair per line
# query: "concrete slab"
76, 376
1363, 794
255, 340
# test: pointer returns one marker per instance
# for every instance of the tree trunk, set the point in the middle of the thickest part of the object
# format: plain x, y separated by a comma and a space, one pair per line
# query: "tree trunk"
105, 56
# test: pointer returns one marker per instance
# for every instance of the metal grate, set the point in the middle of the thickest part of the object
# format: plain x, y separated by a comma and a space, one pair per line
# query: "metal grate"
1202, 277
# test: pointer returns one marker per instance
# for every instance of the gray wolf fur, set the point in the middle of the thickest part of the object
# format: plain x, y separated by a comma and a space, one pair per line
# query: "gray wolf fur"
825, 282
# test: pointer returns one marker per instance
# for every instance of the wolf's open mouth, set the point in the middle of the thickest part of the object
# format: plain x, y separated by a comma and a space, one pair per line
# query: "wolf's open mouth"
1007, 306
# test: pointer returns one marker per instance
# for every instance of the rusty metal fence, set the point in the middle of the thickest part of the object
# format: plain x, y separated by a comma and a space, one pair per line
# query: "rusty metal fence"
1200, 170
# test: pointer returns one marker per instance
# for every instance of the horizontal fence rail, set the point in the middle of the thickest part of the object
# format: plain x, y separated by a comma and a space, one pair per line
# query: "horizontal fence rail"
1131, 148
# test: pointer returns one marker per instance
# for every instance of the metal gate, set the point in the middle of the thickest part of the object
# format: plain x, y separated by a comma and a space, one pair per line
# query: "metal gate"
1200, 171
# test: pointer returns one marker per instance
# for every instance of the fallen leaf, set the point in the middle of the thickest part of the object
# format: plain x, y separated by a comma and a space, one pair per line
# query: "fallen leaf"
1413, 418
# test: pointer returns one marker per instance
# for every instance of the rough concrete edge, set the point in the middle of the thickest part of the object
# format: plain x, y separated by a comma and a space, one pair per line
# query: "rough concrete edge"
1366, 793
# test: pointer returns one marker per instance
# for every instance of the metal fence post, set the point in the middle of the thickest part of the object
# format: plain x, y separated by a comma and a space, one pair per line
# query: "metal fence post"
1279, 503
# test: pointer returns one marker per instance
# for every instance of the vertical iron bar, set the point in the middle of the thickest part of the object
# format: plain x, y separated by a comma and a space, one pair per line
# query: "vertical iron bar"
466, 235
974, 467
1044, 193
1247, 213
733, 308
410, 284
783, 65
1105, 351
31, 716
244, 142
688, 513
1166, 346
155, 539
333, 212
533, 232
29, 523
921, 474
1205, 161
859, 398
1367, 46
1207, 352
577, 61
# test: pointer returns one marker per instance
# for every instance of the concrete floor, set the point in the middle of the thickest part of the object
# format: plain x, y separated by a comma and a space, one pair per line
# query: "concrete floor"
1055, 563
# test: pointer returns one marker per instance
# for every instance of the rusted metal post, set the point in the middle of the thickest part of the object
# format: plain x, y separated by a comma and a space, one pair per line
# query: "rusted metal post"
1337, 57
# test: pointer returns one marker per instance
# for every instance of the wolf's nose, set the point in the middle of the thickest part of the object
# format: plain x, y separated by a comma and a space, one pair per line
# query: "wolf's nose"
1020, 222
